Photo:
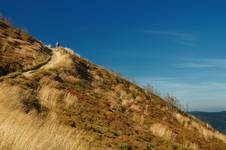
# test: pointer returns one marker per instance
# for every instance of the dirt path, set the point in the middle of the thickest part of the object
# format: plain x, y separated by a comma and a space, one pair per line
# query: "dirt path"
28, 71
55, 56
60, 59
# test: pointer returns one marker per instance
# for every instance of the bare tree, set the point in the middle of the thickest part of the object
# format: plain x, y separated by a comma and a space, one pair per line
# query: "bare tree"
173, 102
149, 89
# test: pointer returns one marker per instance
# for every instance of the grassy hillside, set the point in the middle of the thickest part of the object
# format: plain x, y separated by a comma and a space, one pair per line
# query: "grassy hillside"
18, 50
70, 103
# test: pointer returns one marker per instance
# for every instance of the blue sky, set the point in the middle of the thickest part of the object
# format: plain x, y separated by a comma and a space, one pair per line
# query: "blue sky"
177, 46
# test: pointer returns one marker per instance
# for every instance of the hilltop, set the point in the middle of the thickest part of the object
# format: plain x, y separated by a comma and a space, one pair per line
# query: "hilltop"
51, 98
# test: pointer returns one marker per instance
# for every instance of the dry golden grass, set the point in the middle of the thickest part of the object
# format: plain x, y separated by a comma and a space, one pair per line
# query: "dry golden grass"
204, 129
162, 131
52, 97
20, 131
9, 95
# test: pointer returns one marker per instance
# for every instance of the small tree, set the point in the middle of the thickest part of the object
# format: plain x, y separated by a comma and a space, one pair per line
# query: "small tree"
173, 102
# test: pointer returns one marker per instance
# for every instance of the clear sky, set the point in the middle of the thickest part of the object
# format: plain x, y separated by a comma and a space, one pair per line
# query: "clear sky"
178, 46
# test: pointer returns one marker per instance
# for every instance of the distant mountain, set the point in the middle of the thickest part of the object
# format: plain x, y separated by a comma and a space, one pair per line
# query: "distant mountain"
216, 119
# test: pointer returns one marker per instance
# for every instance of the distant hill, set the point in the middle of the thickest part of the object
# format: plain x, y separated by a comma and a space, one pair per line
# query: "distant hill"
216, 119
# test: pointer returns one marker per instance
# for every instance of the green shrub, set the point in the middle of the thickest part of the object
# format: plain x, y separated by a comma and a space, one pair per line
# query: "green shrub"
126, 146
